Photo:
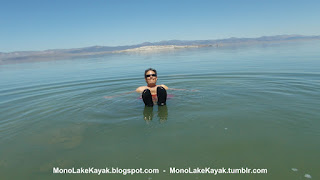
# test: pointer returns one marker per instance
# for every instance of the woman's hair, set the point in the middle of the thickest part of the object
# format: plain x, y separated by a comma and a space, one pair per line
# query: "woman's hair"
150, 69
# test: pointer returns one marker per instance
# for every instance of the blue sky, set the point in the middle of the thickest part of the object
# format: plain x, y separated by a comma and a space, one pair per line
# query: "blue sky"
58, 24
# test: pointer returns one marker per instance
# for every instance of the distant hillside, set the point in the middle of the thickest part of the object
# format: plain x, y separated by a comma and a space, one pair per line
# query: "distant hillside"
163, 45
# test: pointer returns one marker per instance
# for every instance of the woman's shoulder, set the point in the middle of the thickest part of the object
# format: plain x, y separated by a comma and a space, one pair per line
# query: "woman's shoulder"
141, 89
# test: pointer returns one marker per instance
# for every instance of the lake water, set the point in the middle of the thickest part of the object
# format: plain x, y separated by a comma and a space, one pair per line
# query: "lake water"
254, 106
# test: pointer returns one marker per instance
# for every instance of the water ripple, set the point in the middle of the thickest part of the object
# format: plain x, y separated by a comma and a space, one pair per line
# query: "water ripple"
25, 105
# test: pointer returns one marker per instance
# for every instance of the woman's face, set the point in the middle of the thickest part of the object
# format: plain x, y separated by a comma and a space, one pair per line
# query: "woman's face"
152, 77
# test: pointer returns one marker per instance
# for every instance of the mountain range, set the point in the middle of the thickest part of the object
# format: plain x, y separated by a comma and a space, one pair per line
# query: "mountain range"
147, 46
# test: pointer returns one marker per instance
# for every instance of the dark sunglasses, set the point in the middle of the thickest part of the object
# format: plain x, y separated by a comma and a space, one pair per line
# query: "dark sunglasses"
150, 75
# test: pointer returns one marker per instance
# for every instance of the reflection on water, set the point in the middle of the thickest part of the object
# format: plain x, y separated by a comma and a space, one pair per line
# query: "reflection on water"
162, 113
148, 113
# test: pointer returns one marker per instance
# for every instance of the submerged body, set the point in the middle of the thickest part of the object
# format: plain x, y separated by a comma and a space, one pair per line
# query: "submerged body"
152, 93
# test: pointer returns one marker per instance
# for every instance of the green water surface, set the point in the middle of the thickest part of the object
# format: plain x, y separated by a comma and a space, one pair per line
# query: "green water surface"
255, 107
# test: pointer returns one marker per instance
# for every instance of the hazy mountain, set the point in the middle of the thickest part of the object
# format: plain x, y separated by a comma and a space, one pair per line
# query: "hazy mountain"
101, 50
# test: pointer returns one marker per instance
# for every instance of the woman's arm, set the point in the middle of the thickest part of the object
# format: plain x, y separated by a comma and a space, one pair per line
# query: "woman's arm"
192, 90
166, 87
108, 97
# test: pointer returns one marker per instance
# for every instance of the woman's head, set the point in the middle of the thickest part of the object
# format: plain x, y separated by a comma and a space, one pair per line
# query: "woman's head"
150, 76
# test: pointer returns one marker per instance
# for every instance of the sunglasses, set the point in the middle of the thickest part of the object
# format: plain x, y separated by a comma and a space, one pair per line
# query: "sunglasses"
150, 75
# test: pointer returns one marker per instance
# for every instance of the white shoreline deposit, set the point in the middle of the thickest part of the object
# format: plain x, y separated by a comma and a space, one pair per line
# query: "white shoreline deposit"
156, 48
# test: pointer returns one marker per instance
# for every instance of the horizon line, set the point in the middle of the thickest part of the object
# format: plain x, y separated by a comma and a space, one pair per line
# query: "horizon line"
52, 49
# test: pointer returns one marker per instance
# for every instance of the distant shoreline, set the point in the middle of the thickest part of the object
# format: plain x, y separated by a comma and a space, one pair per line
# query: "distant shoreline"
147, 47
156, 48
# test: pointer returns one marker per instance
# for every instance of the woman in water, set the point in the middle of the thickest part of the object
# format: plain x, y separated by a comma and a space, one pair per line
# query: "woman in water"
153, 93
